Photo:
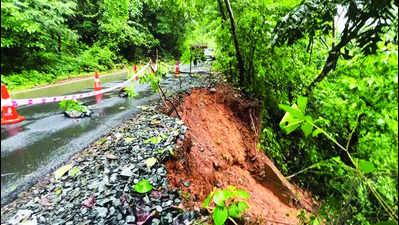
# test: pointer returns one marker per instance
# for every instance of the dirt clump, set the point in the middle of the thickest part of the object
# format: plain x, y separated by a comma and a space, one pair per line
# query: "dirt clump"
219, 149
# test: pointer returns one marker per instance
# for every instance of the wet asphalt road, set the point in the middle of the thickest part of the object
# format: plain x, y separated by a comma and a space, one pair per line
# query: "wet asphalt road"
46, 138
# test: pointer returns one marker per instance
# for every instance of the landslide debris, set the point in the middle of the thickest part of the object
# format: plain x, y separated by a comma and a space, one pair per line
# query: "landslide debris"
219, 149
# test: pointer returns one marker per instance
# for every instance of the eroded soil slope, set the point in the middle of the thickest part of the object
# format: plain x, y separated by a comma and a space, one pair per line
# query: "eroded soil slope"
219, 149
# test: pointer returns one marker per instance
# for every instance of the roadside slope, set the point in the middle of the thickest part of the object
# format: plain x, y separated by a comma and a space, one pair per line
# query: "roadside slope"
220, 150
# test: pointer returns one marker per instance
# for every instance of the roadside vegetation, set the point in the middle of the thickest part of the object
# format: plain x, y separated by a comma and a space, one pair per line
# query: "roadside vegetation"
337, 81
44, 41
326, 73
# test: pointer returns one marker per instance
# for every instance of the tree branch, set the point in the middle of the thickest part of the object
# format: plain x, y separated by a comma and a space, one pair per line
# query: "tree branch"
170, 102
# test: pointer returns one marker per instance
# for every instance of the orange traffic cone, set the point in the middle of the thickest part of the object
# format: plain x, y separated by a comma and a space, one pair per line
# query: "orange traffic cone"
177, 68
97, 85
9, 113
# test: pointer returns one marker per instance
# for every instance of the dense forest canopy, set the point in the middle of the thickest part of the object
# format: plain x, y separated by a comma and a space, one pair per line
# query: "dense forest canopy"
276, 51
42, 39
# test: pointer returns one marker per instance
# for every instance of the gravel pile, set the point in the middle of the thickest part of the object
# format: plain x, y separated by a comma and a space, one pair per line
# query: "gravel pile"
98, 188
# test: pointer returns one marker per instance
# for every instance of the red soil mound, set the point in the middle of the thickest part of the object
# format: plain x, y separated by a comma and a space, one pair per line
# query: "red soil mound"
219, 149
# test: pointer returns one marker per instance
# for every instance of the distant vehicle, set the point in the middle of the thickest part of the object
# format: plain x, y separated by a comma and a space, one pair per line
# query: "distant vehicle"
209, 53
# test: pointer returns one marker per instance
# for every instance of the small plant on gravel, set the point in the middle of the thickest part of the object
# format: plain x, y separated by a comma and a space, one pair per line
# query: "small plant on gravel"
143, 186
227, 204
72, 104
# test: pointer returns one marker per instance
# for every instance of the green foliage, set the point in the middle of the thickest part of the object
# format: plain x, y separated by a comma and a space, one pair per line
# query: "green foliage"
354, 107
32, 29
96, 58
72, 104
150, 162
34, 24
130, 91
357, 101
61, 171
152, 79
364, 87
43, 41
227, 204
143, 186
73, 172
220, 215
295, 117
154, 140
313, 16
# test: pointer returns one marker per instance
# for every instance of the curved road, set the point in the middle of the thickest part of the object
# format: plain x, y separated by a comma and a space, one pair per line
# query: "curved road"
46, 139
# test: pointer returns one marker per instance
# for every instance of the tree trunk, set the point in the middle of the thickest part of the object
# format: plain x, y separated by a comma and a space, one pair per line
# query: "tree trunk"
236, 45
221, 10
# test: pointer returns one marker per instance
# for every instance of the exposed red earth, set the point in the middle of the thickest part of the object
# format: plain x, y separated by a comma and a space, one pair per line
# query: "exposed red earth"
219, 149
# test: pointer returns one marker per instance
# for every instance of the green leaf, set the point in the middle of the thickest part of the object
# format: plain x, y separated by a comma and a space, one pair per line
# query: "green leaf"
219, 215
143, 186
232, 188
103, 140
220, 196
292, 118
154, 140
316, 132
366, 166
315, 222
289, 124
302, 101
129, 139
61, 171
234, 211
241, 193
207, 200
293, 110
309, 119
150, 162
72, 104
73, 171
242, 206
307, 128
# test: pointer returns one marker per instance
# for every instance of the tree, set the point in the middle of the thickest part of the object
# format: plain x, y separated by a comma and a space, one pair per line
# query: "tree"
366, 21
241, 68
31, 27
